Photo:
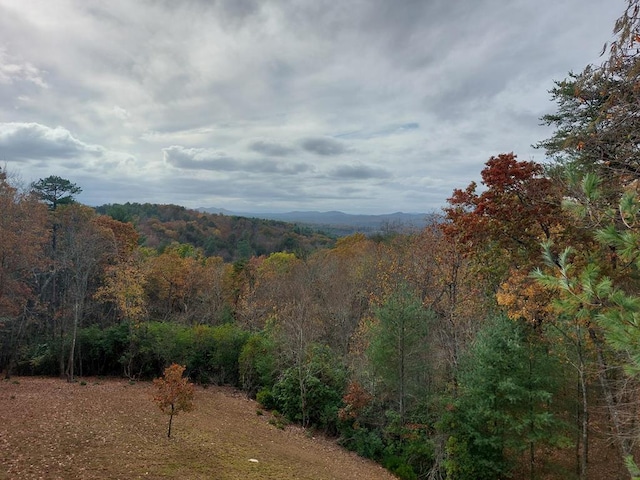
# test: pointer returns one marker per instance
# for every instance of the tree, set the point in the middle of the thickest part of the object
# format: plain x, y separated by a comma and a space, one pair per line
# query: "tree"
518, 209
23, 237
341, 278
173, 283
449, 286
596, 141
174, 394
55, 191
399, 346
606, 305
506, 384
311, 391
83, 250
597, 122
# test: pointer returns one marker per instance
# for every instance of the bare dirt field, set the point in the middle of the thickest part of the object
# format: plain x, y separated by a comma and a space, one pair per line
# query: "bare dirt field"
110, 429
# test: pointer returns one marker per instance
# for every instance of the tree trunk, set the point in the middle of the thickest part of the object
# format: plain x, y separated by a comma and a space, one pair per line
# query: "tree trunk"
623, 444
14, 341
584, 422
170, 421
72, 349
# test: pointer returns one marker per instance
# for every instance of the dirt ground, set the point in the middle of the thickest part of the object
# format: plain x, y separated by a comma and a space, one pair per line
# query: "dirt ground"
110, 429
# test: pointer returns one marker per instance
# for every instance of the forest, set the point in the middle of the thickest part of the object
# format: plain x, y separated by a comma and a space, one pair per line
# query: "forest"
501, 341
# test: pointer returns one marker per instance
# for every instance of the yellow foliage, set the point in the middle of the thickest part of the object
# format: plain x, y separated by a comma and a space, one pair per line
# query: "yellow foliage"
524, 298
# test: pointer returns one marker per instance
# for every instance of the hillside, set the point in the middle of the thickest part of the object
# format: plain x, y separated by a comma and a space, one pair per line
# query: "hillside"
227, 236
110, 429
340, 224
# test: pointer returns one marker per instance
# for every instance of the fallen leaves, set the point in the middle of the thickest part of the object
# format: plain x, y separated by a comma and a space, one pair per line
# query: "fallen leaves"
52, 429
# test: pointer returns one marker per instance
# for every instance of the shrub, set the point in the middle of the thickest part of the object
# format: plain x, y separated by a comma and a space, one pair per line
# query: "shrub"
266, 399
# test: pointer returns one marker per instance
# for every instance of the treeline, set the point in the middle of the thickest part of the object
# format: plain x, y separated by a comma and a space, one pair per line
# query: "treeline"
503, 341
230, 237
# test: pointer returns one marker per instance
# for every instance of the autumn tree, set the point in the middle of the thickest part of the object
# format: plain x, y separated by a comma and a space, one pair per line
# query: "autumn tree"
54, 192
297, 328
174, 393
519, 208
344, 277
184, 286
23, 237
83, 250
438, 267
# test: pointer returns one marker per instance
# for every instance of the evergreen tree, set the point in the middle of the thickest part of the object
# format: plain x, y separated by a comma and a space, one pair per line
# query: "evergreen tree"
506, 385
55, 191
399, 347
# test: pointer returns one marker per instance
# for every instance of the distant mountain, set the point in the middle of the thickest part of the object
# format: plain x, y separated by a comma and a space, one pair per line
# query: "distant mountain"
232, 237
339, 223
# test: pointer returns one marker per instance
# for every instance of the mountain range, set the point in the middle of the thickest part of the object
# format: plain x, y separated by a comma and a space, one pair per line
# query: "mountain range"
341, 223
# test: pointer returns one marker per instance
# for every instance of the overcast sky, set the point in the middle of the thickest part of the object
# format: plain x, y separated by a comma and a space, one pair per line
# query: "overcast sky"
363, 106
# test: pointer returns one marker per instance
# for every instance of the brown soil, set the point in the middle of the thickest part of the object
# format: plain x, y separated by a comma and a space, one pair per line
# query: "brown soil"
110, 429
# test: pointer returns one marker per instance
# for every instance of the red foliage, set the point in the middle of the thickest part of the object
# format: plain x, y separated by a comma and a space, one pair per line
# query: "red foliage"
518, 208
356, 399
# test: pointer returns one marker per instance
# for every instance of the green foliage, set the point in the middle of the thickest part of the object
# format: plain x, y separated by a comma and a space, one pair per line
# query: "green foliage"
405, 449
586, 283
211, 354
400, 469
55, 191
311, 393
257, 364
399, 347
632, 467
217, 352
364, 441
506, 386
265, 398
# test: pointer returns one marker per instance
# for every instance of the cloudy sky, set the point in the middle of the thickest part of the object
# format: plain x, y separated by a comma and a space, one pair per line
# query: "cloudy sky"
363, 106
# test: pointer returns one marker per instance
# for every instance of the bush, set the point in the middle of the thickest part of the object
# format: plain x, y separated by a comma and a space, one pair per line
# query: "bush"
266, 399
257, 364
311, 393
366, 443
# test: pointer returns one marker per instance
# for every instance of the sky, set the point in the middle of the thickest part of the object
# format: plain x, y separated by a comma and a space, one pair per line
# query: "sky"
361, 106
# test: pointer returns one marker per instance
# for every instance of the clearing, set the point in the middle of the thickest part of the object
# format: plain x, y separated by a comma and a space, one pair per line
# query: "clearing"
110, 428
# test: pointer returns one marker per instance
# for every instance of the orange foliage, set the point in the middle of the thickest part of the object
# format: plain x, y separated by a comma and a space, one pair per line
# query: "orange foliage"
125, 235
174, 393
356, 399
525, 298
23, 235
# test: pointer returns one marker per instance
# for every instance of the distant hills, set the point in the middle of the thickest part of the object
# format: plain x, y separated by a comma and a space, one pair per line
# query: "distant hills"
239, 235
228, 236
339, 223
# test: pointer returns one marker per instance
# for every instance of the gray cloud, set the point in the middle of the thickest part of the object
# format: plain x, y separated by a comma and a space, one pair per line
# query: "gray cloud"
386, 130
359, 172
327, 147
32, 141
207, 159
198, 159
271, 148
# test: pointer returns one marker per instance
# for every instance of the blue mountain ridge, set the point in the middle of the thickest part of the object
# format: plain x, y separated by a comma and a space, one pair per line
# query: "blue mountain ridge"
368, 223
